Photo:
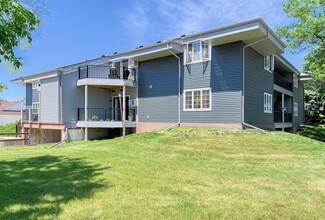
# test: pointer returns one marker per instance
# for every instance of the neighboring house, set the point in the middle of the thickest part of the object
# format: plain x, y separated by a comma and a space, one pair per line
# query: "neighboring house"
10, 112
230, 77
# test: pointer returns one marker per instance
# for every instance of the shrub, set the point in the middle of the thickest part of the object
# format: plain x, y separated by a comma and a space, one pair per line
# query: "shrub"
314, 132
95, 118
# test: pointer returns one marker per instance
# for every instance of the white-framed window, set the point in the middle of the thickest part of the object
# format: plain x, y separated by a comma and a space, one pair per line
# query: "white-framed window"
295, 80
295, 109
35, 108
197, 99
269, 63
197, 51
267, 103
36, 85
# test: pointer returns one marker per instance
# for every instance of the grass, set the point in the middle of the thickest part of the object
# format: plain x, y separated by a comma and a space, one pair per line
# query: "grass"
9, 128
181, 174
314, 132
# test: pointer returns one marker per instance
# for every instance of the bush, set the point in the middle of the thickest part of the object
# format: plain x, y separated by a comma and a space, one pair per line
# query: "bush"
314, 132
95, 118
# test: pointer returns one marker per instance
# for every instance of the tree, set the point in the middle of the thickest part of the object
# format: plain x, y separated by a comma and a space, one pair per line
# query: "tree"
306, 32
16, 25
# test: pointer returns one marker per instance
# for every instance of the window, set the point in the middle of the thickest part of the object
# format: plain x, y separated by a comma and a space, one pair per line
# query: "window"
268, 62
197, 51
295, 109
35, 108
267, 103
295, 80
36, 85
197, 99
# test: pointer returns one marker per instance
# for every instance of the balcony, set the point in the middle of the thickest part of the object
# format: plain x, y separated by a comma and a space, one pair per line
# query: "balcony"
278, 117
106, 118
282, 82
30, 115
106, 76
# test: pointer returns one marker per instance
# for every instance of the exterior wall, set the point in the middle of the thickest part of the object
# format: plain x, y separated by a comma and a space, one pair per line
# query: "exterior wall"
49, 103
29, 94
35, 95
298, 96
158, 87
158, 90
257, 81
223, 74
74, 97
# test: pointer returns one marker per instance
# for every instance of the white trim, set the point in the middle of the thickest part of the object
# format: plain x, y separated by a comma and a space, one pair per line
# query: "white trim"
197, 109
201, 58
295, 109
295, 80
270, 66
266, 103
35, 108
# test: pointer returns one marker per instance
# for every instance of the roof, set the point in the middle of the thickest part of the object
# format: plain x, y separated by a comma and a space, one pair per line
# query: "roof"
251, 30
11, 108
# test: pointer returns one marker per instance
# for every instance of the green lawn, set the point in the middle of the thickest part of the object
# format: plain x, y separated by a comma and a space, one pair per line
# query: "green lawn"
10, 128
180, 174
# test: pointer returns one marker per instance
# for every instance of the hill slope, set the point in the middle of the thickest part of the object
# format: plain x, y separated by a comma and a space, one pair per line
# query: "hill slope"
184, 173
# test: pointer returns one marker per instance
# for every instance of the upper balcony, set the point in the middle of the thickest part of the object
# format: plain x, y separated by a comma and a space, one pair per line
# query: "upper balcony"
106, 76
282, 82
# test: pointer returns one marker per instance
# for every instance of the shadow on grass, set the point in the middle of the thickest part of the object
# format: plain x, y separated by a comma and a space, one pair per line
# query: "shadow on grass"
39, 187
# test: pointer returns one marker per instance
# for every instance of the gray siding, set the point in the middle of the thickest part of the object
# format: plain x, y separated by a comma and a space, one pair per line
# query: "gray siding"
223, 74
74, 98
257, 81
29, 94
158, 90
298, 96
49, 103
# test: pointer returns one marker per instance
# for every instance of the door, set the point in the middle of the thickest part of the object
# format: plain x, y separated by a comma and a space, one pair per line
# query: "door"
117, 103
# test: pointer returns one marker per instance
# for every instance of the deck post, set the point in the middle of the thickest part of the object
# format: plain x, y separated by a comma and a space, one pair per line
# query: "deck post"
86, 112
123, 117
283, 111
29, 115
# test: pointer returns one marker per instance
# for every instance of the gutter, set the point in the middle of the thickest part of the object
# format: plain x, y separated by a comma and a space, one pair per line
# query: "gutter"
179, 86
243, 95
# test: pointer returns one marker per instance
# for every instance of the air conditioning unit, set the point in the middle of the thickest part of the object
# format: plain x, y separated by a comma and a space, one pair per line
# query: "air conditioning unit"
133, 103
133, 64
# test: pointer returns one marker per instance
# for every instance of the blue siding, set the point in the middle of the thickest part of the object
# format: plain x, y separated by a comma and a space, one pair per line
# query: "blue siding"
298, 96
158, 90
257, 81
223, 74
159, 103
29, 94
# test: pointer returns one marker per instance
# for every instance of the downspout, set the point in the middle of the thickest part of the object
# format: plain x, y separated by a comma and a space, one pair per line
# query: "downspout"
179, 88
243, 95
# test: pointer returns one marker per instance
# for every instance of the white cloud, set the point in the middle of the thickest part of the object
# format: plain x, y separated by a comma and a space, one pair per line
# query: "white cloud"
170, 18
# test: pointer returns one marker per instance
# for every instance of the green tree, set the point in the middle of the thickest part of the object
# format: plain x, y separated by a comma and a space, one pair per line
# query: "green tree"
17, 22
306, 33
16, 25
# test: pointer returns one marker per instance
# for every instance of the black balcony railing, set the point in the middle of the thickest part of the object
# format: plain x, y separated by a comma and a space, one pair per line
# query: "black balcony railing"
102, 114
278, 117
106, 72
283, 82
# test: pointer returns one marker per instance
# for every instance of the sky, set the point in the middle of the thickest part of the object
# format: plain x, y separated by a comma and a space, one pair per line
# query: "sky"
77, 30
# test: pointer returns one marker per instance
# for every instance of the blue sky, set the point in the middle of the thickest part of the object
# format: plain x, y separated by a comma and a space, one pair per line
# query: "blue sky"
75, 31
